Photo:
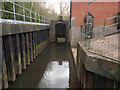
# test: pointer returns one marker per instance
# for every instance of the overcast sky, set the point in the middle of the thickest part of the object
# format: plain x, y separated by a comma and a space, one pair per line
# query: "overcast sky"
54, 4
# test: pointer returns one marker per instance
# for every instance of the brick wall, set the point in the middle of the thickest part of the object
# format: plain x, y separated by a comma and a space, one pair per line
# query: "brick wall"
100, 10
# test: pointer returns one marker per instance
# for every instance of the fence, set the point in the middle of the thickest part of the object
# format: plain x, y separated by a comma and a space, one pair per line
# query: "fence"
22, 17
102, 39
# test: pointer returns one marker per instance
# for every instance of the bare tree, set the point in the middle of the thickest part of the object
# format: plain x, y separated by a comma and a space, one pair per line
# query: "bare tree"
64, 9
45, 10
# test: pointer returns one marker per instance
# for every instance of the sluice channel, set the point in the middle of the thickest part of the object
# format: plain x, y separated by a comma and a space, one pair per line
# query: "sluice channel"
53, 68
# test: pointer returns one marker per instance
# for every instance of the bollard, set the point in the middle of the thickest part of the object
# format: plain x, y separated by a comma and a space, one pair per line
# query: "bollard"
9, 58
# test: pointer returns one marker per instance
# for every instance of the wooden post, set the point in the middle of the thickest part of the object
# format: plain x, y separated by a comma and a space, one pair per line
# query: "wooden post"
22, 50
90, 80
34, 45
16, 45
4, 70
9, 58
85, 75
109, 83
82, 74
27, 49
31, 48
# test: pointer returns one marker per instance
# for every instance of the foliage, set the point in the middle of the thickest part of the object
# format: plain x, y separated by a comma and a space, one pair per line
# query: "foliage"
38, 7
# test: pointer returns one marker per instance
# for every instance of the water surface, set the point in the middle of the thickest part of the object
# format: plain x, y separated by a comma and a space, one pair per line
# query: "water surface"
53, 68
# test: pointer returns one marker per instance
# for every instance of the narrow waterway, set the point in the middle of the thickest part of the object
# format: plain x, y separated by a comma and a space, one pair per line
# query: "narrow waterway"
53, 68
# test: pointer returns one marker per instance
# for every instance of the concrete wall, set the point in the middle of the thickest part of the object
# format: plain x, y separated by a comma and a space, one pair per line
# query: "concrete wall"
75, 36
95, 71
21, 44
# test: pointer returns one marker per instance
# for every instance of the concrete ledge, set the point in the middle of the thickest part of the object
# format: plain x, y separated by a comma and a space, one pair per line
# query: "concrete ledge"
97, 64
10, 28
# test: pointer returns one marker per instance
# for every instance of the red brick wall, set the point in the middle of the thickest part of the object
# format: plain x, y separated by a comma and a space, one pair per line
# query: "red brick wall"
100, 11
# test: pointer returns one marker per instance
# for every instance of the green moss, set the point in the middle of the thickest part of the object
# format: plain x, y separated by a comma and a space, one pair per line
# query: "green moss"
24, 62
12, 65
4, 75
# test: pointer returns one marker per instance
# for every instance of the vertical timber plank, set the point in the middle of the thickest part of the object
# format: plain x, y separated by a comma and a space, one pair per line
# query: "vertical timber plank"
19, 68
84, 77
22, 50
31, 47
34, 43
9, 58
90, 80
27, 49
109, 83
4, 70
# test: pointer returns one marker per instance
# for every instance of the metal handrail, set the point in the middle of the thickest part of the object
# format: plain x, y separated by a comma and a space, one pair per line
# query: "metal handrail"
105, 22
85, 34
37, 17
102, 20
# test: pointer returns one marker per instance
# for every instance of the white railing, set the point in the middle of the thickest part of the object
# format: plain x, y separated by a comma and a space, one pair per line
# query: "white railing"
36, 19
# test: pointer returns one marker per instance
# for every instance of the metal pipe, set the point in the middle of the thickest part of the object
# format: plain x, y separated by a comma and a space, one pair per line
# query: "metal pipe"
14, 11
87, 18
35, 17
39, 17
30, 16
24, 14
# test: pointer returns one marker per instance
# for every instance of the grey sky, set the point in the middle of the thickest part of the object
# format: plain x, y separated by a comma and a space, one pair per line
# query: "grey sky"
54, 4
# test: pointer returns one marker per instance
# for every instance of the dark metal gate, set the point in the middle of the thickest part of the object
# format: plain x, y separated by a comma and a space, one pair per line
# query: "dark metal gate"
60, 30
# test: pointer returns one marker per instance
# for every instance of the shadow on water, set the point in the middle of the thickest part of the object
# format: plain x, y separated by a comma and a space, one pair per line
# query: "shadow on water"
53, 68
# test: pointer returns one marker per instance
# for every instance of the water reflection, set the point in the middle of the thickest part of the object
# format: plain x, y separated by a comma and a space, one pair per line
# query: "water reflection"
56, 75
53, 68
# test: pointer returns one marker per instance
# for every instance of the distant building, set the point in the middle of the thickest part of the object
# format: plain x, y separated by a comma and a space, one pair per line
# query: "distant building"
100, 11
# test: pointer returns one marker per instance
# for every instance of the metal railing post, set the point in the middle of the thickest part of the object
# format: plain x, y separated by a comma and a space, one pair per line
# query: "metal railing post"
30, 16
104, 27
35, 17
24, 13
81, 32
14, 11
39, 17
86, 35
117, 20
44, 19
0, 10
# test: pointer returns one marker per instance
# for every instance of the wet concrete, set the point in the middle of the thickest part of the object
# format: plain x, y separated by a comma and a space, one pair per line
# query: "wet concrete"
53, 68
